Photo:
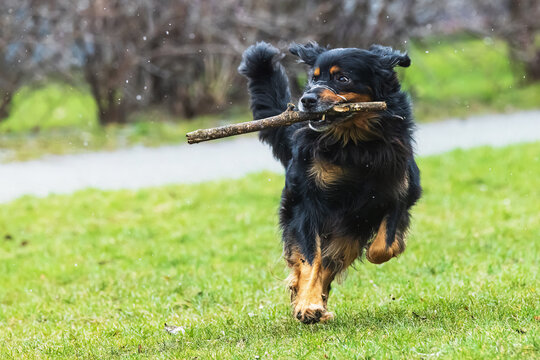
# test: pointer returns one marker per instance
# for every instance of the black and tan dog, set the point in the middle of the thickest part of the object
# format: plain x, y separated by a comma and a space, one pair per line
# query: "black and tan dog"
350, 182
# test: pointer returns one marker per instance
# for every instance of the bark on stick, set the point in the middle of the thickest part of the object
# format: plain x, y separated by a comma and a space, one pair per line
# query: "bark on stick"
288, 117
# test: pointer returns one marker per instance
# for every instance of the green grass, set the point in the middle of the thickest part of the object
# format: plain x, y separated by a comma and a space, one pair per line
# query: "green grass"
97, 274
60, 119
50, 106
21, 146
464, 76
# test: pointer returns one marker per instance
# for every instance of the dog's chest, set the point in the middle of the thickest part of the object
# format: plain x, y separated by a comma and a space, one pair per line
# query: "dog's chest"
325, 174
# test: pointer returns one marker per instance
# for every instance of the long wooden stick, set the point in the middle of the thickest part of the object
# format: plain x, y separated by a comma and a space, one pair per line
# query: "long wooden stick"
286, 118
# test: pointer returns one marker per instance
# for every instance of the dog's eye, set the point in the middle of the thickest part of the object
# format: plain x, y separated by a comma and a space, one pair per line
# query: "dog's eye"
342, 79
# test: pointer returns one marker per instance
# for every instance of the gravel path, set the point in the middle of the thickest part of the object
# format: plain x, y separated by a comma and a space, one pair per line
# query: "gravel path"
142, 167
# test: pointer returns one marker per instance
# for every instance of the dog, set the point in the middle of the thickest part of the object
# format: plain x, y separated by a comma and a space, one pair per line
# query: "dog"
350, 180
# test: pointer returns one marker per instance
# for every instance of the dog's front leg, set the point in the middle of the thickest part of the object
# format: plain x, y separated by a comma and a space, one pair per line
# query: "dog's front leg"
310, 286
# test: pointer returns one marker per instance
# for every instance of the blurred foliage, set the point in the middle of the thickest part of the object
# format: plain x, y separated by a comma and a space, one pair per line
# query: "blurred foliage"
450, 77
461, 76
182, 55
51, 105
60, 130
456, 76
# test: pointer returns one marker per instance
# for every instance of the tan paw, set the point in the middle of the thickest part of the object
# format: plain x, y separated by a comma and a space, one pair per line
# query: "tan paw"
379, 255
312, 313
327, 316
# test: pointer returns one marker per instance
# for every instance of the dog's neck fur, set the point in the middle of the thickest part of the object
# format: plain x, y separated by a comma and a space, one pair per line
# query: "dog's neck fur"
362, 127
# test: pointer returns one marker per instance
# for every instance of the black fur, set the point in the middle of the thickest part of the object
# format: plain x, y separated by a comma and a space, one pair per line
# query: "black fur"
372, 187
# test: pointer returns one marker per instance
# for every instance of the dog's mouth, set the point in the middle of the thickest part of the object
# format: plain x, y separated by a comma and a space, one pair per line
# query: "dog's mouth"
326, 122
325, 100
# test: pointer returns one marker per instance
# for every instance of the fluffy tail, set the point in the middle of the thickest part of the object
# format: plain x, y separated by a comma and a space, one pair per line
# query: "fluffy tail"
268, 88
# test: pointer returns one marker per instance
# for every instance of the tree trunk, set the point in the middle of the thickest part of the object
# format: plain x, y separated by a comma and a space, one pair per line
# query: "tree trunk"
5, 105
114, 111
110, 109
522, 38
532, 68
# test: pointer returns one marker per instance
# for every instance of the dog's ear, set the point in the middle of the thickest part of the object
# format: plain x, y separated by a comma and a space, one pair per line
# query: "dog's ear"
390, 57
308, 53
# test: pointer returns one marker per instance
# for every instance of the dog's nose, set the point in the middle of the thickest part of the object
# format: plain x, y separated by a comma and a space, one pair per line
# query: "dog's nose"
309, 100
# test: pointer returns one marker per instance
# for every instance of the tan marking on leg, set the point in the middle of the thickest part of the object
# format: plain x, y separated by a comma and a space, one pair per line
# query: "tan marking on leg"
378, 252
309, 284
324, 173
403, 186
340, 253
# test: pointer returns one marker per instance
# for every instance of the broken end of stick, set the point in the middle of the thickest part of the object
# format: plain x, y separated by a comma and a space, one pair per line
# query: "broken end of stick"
361, 106
196, 136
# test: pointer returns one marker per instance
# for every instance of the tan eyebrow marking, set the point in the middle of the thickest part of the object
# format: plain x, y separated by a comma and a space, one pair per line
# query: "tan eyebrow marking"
334, 69
317, 71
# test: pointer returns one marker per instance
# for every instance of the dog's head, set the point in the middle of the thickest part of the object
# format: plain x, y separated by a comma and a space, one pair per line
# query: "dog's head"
348, 75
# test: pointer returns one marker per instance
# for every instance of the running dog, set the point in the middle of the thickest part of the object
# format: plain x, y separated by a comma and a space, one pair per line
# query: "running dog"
350, 179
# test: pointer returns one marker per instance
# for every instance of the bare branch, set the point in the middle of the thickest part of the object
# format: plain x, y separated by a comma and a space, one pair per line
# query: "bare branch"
286, 118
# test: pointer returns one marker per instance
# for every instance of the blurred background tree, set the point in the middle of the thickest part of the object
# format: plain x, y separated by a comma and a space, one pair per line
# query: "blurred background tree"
181, 55
518, 23
35, 36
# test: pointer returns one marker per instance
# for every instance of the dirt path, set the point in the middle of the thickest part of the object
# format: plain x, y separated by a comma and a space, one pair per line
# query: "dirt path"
142, 167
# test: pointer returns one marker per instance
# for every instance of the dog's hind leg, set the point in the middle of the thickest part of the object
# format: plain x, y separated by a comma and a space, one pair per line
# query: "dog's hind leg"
390, 239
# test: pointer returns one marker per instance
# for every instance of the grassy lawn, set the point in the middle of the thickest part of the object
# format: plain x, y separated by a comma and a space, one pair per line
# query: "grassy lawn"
465, 76
97, 274
448, 78
462, 76
60, 119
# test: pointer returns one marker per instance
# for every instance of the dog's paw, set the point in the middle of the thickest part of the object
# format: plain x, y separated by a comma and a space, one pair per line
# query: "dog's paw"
260, 59
312, 313
379, 253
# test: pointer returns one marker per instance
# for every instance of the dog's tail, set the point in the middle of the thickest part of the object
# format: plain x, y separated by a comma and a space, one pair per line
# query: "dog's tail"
268, 87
